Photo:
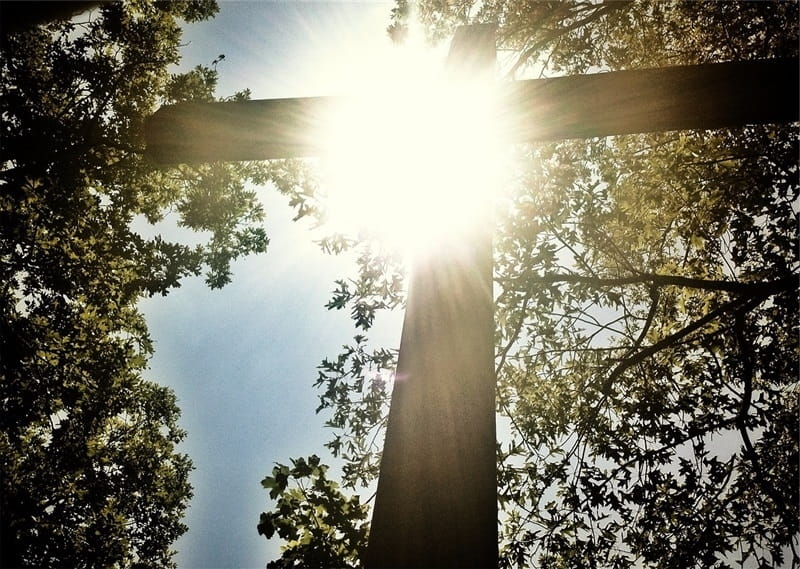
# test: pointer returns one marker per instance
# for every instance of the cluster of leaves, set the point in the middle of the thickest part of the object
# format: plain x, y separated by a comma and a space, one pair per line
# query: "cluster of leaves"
357, 387
647, 318
90, 472
323, 528
642, 351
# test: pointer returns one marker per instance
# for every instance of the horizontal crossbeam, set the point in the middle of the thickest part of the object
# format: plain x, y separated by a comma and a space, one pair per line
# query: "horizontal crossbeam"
582, 106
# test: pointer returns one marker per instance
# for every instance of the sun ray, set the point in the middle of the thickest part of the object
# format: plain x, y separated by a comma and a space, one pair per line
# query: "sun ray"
412, 159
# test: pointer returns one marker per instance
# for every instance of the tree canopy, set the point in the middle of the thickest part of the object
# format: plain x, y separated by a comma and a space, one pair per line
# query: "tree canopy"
646, 312
90, 473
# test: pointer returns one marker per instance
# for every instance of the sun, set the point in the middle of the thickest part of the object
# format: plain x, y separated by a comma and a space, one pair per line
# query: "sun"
412, 159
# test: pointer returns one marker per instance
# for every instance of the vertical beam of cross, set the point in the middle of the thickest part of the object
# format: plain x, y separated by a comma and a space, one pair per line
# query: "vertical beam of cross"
436, 504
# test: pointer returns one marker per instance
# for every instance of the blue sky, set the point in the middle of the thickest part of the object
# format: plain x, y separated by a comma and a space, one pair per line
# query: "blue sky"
242, 360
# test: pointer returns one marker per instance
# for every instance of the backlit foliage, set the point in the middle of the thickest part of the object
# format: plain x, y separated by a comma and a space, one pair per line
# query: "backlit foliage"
90, 473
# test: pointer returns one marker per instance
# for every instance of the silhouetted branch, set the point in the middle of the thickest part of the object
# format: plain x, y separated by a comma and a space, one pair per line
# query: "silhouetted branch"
555, 34
744, 410
515, 335
737, 287
671, 340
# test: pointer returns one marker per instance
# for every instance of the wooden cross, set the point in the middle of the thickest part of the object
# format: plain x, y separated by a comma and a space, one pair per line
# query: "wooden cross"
436, 504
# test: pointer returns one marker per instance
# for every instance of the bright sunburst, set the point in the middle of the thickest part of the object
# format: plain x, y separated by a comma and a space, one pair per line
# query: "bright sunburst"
412, 158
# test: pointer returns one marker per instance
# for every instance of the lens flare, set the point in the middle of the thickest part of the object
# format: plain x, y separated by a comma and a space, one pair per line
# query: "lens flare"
413, 159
